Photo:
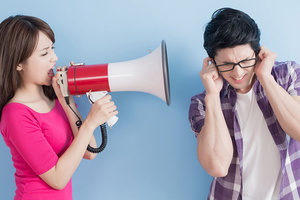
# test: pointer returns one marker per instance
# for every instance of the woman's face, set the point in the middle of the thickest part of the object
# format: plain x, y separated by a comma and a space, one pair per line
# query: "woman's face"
239, 78
38, 68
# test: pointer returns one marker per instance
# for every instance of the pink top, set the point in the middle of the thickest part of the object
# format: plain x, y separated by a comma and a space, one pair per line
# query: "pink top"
36, 141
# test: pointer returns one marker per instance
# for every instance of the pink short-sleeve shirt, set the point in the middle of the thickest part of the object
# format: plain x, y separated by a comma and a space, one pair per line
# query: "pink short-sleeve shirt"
36, 141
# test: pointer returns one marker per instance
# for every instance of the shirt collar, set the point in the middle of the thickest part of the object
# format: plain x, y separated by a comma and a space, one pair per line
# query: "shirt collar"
228, 90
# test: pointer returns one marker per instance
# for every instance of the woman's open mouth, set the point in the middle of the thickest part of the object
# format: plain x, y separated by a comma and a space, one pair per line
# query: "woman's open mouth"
51, 73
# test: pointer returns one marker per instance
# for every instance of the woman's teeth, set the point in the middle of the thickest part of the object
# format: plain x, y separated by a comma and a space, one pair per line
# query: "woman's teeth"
51, 73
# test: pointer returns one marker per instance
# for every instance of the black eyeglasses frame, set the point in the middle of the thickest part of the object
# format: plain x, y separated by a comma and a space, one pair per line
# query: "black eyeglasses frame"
234, 64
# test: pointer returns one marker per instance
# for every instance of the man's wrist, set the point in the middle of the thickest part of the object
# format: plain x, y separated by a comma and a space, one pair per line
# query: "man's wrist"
265, 79
212, 98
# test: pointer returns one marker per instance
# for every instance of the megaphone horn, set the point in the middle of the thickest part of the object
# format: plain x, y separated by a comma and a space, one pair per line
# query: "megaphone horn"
146, 74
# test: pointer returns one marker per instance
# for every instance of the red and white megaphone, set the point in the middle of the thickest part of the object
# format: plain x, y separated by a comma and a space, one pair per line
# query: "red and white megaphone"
146, 74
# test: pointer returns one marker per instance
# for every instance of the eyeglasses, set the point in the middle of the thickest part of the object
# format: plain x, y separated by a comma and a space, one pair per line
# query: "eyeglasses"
230, 66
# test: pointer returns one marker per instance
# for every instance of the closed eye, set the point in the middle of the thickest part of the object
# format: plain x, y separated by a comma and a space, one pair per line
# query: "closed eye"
226, 64
47, 49
44, 54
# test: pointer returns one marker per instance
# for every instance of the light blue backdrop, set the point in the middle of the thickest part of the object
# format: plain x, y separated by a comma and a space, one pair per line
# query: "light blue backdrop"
151, 151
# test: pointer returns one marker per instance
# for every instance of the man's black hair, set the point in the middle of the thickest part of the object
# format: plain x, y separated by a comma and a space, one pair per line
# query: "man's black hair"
228, 28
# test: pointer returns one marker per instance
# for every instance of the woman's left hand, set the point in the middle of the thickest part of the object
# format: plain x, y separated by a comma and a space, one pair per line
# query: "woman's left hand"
55, 80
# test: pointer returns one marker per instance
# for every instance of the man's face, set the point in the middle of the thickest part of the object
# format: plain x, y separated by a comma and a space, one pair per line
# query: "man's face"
239, 78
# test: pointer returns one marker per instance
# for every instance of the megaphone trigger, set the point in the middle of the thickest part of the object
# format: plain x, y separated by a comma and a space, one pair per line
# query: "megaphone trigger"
94, 96
89, 97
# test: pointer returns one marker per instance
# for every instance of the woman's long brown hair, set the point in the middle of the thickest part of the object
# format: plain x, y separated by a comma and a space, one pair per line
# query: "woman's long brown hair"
18, 39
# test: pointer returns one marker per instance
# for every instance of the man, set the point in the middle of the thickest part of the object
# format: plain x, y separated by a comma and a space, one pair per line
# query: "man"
247, 121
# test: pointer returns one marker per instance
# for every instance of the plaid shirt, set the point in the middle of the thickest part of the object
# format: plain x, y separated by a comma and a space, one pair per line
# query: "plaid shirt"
287, 75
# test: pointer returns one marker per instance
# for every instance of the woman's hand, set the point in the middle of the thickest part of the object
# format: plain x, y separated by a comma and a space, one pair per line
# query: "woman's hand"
55, 80
102, 110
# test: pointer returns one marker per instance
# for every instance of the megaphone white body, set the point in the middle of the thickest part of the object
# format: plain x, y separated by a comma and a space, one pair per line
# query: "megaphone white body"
147, 74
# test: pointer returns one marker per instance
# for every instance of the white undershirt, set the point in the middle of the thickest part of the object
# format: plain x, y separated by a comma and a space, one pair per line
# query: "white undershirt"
261, 158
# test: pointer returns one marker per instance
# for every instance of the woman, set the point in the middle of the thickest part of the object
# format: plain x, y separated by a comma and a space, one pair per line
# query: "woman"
36, 123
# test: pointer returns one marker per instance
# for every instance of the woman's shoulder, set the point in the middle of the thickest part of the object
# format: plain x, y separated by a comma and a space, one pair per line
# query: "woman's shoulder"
15, 107
15, 115
15, 110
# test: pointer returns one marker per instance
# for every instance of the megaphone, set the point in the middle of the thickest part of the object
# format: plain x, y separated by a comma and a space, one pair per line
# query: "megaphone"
147, 74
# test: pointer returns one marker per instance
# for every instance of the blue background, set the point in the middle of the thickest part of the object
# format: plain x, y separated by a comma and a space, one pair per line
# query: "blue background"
151, 151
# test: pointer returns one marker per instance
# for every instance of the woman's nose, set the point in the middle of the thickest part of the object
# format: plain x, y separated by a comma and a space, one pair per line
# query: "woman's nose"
54, 57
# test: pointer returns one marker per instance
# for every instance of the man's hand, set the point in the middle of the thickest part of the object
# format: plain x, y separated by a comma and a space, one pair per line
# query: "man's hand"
211, 79
265, 62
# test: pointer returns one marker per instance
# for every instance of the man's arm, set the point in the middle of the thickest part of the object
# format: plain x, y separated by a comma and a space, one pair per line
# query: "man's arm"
214, 147
286, 107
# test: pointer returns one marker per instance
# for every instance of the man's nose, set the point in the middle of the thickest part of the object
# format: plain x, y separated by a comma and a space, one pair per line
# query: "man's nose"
237, 69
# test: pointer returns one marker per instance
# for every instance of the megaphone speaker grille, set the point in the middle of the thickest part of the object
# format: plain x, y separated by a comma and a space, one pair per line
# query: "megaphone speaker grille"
166, 72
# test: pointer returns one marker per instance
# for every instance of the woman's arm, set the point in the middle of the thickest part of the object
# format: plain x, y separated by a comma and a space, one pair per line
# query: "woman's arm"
70, 114
103, 109
72, 120
58, 176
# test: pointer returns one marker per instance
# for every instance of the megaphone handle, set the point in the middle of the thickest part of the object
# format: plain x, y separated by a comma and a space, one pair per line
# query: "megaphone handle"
104, 141
94, 96
103, 133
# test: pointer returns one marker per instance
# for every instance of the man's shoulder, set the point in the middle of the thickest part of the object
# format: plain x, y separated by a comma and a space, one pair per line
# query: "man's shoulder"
199, 96
283, 70
284, 66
